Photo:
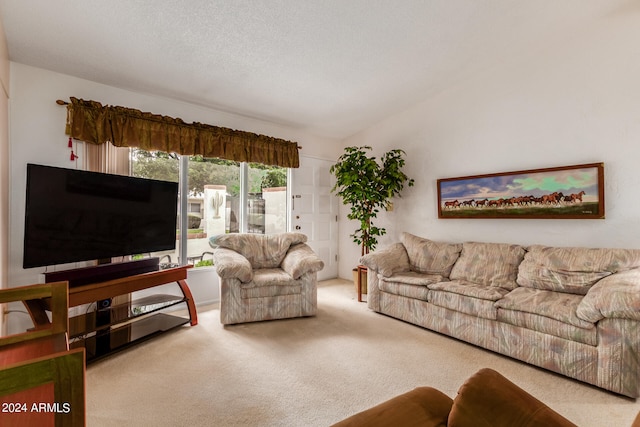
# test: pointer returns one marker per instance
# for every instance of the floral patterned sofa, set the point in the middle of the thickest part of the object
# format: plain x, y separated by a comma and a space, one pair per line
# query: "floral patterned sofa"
574, 311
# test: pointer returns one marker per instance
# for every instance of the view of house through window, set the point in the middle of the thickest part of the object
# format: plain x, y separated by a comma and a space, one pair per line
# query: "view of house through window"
215, 198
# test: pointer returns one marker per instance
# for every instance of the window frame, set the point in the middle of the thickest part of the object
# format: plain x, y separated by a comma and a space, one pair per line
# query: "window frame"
183, 206
243, 209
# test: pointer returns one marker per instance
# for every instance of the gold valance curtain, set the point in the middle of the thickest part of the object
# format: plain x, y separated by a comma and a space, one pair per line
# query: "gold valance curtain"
91, 122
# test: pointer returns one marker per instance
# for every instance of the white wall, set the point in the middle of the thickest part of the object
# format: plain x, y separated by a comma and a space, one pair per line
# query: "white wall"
576, 100
37, 136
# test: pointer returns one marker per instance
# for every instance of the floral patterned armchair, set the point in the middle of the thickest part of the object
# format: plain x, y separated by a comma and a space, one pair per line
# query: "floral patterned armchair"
265, 277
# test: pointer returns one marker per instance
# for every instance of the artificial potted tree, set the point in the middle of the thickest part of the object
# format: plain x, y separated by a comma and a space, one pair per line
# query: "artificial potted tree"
368, 185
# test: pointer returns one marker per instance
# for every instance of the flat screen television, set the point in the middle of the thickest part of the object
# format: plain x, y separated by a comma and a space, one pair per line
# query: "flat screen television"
73, 215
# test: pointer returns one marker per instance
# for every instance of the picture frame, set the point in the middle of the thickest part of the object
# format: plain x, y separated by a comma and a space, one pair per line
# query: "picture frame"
566, 192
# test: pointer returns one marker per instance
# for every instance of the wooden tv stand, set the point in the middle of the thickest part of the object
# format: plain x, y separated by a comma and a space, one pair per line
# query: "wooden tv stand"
106, 330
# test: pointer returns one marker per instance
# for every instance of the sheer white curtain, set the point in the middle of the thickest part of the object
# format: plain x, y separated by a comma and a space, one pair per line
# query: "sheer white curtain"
106, 158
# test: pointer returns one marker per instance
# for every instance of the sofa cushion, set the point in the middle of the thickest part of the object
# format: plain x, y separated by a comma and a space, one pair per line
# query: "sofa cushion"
300, 259
555, 305
414, 278
270, 282
490, 264
232, 265
420, 407
461, 287
488, 399
427, 256
409, 284
466, 297
615, 296
402, 289
546, 325
387, 261
262, 250
572, 270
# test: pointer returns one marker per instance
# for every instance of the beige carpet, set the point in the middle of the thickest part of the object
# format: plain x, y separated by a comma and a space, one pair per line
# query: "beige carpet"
309, 372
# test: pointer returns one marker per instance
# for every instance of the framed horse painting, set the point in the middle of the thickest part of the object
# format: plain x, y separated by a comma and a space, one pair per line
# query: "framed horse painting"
568, 192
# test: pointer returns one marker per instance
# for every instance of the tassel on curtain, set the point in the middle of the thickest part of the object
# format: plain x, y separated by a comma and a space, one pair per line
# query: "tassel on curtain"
94, 123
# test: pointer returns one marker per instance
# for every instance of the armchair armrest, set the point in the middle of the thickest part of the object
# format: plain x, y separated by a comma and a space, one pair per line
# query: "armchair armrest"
390, 260
489, 399
617, 295
230, 264
422, 406
301, 259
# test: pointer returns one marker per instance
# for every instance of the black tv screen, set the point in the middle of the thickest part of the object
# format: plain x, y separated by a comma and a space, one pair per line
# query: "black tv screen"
74, 215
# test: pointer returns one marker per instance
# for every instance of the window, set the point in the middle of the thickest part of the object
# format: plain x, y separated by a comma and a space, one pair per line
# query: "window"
223, 197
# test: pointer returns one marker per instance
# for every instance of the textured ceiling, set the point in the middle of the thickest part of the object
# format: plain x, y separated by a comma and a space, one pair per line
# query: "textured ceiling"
331, 67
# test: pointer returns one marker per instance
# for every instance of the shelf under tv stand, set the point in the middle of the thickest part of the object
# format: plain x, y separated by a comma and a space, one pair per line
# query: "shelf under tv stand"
104, 331
105, 342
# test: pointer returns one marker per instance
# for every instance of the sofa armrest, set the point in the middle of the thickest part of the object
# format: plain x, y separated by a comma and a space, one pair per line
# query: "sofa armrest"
615, 296
489, 399
387, 261
422, 406
301, 259
230, 264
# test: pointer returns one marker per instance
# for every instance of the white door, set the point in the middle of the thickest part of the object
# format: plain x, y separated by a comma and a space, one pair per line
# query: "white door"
314, 211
